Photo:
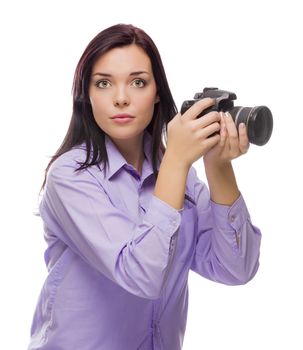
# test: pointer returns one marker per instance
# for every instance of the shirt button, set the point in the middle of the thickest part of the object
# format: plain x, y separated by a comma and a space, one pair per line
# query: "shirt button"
232, 218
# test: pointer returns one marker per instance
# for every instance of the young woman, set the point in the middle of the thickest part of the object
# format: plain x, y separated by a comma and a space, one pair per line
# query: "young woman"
125, 217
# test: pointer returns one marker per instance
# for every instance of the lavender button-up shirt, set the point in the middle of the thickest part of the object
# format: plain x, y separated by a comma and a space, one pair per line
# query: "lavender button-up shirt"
118, 257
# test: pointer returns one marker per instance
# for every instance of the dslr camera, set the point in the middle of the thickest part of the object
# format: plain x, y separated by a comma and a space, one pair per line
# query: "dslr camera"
258, 120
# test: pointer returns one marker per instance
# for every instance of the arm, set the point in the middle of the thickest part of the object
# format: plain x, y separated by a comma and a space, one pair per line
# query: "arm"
228, 244
188, 140
77, 210
171, 181
218, 168
222, 183
223, 186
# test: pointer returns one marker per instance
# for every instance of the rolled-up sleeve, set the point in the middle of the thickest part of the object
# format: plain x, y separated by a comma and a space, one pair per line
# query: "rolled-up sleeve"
78, 211
228, 244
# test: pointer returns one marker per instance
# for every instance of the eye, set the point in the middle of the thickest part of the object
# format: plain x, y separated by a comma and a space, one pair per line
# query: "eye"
102, 84
139, 83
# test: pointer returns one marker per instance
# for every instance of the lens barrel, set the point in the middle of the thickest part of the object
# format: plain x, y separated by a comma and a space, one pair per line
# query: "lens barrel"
258, 120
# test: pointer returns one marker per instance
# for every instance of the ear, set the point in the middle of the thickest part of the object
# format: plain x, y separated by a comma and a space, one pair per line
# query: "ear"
157, 99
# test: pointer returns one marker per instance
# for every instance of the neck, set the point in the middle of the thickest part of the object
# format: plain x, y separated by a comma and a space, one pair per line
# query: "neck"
132, 150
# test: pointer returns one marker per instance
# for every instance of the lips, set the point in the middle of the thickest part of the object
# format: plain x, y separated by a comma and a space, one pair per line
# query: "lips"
122, 116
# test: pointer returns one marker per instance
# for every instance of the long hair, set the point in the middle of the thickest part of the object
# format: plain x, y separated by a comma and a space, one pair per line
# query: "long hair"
83, 127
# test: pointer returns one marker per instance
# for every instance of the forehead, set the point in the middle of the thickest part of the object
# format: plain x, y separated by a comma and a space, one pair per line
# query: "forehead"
123, 60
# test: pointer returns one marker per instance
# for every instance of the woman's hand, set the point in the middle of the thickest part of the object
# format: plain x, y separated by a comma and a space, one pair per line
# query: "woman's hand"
190, 138
217, 161
232, 143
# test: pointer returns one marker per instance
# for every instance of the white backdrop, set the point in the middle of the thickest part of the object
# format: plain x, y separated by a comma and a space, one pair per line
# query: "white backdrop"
251, 47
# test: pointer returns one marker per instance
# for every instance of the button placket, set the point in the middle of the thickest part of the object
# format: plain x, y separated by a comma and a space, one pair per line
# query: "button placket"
172, 244
157, 333
237, 236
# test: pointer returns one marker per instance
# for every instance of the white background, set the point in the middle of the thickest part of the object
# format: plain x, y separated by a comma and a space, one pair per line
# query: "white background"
251, 47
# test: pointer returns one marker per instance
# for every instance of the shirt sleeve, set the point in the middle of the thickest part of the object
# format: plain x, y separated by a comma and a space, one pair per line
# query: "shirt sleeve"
228, 244
136, 256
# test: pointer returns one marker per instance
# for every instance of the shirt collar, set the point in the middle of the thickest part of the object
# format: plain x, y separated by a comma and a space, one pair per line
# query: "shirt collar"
116, 161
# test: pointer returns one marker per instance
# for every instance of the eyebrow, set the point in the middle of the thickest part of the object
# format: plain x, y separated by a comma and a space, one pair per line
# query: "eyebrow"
109, 75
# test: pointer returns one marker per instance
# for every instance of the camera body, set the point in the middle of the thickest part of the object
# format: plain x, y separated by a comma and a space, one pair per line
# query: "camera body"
258, 120
223, 100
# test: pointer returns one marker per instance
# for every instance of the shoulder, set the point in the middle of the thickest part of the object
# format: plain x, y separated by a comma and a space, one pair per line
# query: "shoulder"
69, 159
66, 166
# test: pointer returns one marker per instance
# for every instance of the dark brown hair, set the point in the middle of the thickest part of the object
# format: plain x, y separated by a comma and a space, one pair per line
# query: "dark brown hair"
83, 127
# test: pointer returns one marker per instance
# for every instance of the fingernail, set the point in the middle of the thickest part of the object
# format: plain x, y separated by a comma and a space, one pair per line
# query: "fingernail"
242, 125
227, 115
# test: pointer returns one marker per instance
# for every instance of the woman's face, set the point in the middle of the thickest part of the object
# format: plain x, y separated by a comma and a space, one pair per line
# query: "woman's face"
122, 82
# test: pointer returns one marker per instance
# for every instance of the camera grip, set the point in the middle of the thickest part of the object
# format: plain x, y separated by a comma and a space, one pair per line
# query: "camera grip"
187, 104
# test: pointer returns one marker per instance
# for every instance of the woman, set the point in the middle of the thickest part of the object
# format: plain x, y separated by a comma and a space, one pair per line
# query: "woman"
125, 217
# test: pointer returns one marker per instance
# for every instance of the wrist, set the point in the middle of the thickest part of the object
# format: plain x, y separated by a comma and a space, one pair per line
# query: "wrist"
218, 164
175, 161
222, 182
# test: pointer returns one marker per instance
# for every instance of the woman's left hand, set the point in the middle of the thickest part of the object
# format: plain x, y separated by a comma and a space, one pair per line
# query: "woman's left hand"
232, 143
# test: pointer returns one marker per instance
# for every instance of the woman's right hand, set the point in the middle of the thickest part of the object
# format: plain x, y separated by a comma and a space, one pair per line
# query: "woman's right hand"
188, 138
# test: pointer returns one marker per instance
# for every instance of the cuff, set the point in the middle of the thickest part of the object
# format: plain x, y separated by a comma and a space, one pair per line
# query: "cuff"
162, 215
227, 217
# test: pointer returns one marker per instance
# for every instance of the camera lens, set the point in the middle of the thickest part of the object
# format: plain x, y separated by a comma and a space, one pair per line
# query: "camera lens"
258, 120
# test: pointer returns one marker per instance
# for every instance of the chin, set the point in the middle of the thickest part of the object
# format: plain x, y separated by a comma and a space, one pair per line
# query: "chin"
124, 134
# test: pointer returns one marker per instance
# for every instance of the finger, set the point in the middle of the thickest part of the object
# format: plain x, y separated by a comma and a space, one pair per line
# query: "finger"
232, 132
208, 130
198, 107
243, 138
223, 131
210, 142
206, 119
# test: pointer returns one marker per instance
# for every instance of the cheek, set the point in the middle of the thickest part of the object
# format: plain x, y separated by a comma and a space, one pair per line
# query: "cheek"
146, 102
97, 105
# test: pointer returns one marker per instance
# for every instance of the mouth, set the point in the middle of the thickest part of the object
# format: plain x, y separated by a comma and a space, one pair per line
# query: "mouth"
122, 116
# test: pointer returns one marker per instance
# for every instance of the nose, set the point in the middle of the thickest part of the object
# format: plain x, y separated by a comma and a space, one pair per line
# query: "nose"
121, 98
